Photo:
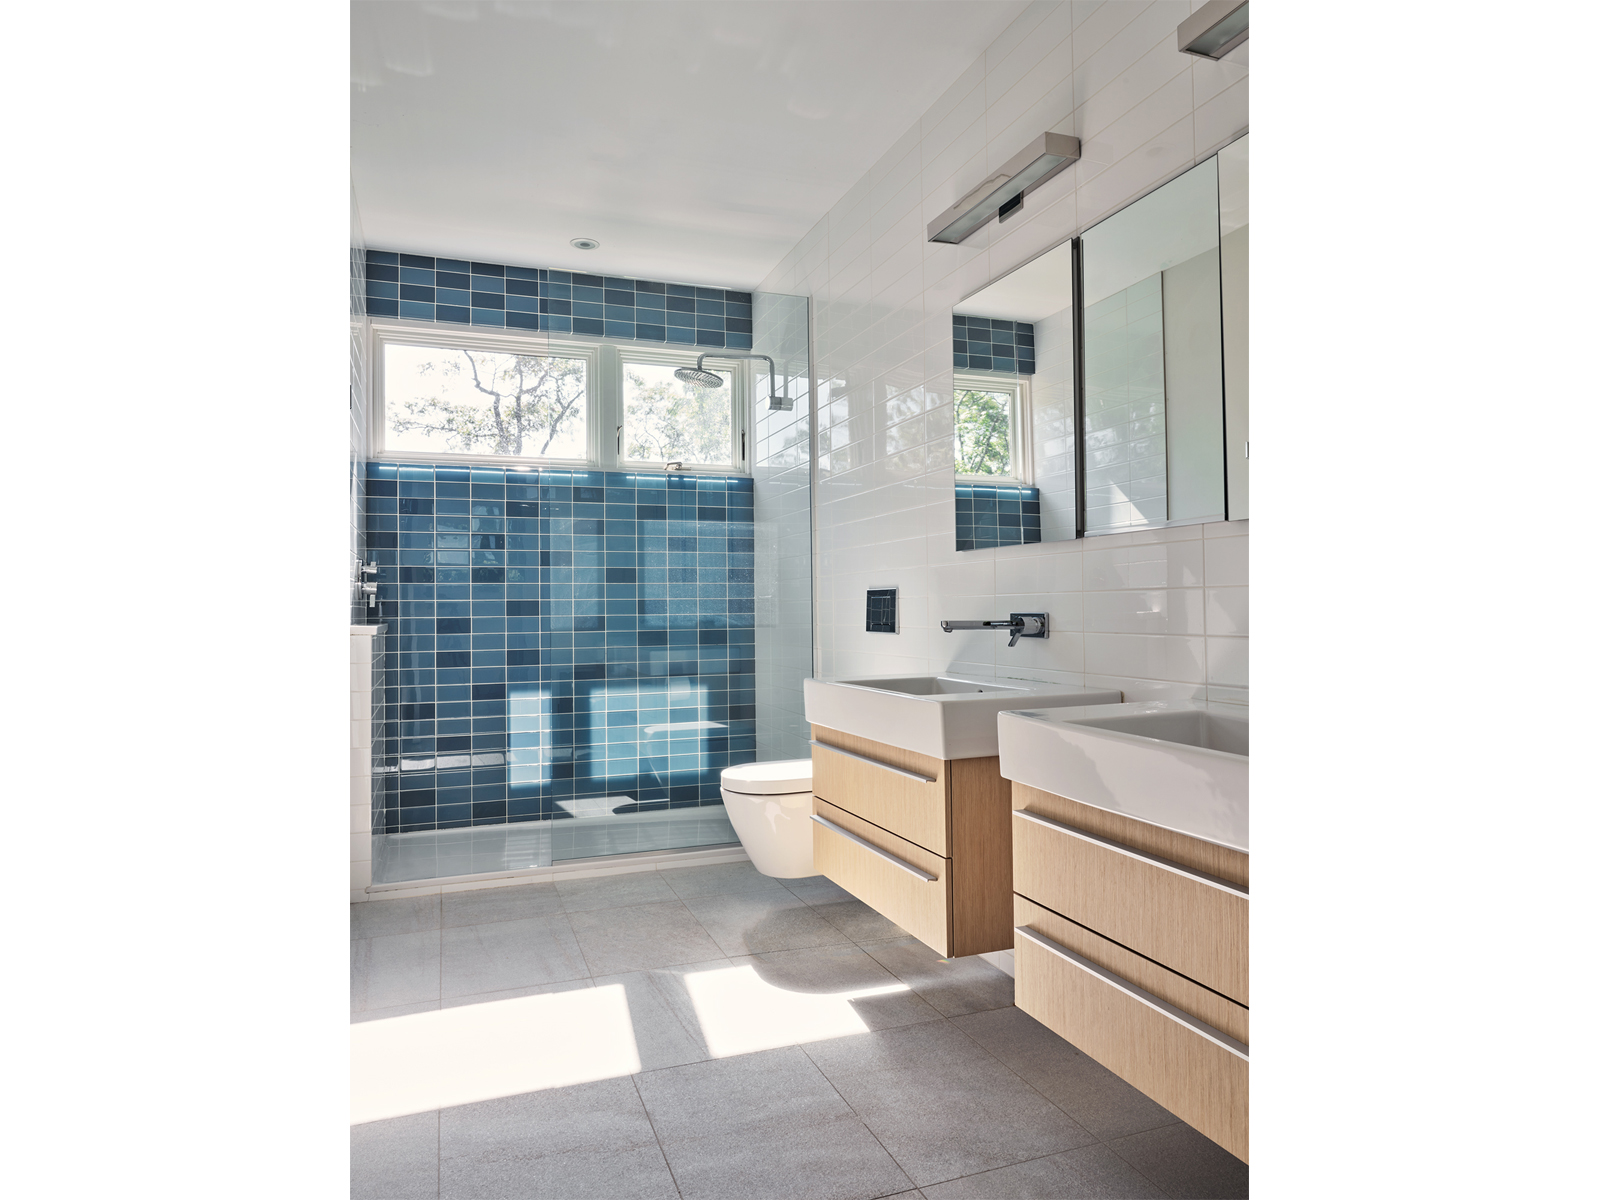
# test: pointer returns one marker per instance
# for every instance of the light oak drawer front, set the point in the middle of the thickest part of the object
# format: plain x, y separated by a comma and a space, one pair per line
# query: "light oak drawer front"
1221, 861
1195, 923
897, 878
894, 789
1199, 1071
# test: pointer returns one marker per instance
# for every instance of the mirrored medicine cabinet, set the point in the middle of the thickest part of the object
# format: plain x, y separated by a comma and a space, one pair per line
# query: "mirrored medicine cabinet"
1103, 386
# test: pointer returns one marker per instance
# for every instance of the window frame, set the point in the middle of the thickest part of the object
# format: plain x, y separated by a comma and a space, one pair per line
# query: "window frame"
603, 387
1021, 422
738, 371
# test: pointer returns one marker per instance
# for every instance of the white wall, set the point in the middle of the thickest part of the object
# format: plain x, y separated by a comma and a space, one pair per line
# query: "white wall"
1158, 613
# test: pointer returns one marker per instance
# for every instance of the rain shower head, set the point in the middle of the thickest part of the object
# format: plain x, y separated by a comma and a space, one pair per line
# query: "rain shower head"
698, 375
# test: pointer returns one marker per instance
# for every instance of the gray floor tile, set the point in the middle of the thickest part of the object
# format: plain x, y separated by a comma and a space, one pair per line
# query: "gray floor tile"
755, 922
719, 878
1091, 1095
764, 1125
660, 1031
830, 970
396, 1159
485, 905
395, 969
613, 891
510, 954
940, 1104
1092, 1173
375, 918
858, 922
397, 1010
952, 985
591, 1140
641, 938
537, 989
1186, 1163
816, 889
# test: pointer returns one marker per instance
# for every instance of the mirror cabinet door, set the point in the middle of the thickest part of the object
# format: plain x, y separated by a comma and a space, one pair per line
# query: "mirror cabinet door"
1152, 360
1233, 189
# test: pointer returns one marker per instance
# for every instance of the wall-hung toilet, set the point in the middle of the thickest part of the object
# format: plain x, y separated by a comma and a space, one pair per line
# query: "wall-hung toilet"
769, 806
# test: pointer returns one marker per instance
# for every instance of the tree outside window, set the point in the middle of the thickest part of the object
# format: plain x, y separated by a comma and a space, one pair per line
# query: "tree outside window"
984, 421
667, 420
482, 402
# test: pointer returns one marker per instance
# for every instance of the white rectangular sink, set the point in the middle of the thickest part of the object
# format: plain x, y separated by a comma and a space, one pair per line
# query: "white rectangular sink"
1182, 765
943, 716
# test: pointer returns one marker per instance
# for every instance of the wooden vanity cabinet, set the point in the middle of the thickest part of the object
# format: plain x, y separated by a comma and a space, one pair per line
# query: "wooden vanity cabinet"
1132, 942
924, 841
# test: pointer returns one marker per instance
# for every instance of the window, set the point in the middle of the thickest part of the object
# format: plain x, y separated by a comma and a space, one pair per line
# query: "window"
667, 420
459, 401
991, 439
447, 394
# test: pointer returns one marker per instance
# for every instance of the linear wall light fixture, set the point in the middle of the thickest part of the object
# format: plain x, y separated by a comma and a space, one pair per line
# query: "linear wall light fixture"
1043, 158
1216, 29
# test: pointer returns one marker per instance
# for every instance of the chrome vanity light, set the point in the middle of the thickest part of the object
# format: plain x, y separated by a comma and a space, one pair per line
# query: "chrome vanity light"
1043, 158
1216, 29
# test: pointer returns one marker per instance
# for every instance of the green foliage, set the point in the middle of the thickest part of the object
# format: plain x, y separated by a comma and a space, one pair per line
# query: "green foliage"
670, 421
532, 400
983, 433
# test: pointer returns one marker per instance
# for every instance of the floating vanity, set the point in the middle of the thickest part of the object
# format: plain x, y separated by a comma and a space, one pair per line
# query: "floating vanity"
1131, 874
911, 811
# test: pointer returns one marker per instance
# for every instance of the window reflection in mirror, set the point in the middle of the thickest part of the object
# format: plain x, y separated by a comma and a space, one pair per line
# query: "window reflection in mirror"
1153, 416
1033, 307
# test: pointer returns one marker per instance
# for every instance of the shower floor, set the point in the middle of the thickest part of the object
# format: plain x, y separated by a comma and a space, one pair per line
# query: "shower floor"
494, 849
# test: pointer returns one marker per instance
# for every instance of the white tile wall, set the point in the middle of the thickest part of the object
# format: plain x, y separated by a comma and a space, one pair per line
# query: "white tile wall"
366, 722
1161, 613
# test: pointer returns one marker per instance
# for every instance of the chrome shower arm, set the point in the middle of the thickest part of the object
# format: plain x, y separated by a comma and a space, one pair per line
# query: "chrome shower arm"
772, 373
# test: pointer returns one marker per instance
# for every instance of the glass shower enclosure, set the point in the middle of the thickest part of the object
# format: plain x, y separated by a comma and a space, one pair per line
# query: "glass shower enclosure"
654, 628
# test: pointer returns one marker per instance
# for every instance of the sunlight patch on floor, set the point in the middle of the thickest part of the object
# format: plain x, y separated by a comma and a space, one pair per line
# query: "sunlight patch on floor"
740, 1013
429, 1060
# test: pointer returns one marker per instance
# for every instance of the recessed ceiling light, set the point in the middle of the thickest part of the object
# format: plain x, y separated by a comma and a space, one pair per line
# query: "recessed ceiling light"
586, 243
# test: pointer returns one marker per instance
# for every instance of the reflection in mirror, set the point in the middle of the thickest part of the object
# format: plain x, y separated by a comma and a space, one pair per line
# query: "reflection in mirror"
1015, 481
1233, 189
1152, 330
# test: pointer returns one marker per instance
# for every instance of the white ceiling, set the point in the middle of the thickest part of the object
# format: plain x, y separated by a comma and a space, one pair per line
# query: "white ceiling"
696, 141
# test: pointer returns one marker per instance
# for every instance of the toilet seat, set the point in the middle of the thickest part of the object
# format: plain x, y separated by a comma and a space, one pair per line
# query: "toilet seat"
769, 778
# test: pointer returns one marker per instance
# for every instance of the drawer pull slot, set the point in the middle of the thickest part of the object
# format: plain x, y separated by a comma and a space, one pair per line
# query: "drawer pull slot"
866, 845
882, 766
1222, 885
1193, 1024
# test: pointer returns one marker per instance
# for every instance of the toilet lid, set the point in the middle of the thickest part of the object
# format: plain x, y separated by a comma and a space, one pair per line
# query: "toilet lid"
769, 778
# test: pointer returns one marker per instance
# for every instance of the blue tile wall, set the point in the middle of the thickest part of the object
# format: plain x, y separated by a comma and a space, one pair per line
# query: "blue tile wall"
985, 344
989, 515
557, 634
454, 291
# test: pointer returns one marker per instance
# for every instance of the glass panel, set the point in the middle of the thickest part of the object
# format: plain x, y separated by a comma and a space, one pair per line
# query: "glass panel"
439, 400
667, 420
984, 421
1233, 187
1152, 332
781, 461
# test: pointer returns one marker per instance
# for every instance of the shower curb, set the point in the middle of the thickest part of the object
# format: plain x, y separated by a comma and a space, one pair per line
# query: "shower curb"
614, 864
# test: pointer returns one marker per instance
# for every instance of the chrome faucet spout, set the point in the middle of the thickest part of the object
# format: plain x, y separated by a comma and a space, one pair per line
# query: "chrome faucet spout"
1020, 625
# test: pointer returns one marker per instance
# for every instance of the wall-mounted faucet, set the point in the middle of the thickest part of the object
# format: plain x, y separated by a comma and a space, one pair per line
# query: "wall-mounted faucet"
369, 588
1021, 625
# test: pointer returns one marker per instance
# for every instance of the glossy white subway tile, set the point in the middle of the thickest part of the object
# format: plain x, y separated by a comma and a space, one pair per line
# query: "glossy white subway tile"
1227, 562
1228, 661
1228, 611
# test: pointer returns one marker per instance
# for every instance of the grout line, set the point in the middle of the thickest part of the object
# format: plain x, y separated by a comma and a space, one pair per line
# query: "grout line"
816, 1067
671, 1174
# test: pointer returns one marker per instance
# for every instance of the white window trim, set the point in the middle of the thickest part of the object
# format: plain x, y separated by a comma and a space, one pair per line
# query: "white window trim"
1021, 424
603, 380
